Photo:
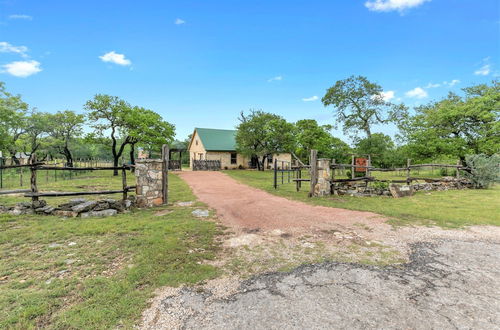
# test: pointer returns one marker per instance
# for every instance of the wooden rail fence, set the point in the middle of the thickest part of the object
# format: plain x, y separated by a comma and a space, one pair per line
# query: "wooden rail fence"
34, 192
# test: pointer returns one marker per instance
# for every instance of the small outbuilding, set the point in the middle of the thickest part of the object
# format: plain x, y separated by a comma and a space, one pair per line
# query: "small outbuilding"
220, 144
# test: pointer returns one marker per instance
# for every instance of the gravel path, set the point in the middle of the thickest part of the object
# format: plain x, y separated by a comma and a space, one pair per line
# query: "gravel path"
241, 206
448, 284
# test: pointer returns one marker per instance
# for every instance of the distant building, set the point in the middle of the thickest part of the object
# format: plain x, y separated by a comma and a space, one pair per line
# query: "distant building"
220, 144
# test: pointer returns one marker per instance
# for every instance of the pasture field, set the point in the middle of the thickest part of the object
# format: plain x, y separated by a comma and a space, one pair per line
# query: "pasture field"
448, 209
98, 272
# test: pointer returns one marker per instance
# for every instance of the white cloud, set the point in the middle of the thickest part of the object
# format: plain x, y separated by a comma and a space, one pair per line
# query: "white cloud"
22, 69
277, 78
27, 17
390, 5
451, 83
417, 92
485, 68
179, 21
309, 99
115, 58
483, 71
431, 85
5, 47
384, 96
387, 96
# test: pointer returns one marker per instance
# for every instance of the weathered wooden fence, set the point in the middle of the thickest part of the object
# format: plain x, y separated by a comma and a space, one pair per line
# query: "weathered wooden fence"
35, 167
206, 165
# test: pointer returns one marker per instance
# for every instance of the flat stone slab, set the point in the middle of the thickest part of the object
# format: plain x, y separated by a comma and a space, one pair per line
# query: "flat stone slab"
84, 206
200, 213
103, 213
398, 191
184, 203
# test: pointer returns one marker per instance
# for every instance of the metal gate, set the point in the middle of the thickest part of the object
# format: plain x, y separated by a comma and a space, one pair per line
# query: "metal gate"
206, 165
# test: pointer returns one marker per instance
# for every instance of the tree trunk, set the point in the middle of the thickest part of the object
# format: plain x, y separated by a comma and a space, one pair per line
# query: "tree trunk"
262, 167
132, 155
69, 157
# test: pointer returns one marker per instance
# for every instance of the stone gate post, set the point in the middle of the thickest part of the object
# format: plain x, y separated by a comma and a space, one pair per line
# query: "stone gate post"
323, 188
148, 174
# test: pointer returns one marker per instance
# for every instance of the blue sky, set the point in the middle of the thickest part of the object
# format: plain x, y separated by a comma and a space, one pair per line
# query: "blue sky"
199, 63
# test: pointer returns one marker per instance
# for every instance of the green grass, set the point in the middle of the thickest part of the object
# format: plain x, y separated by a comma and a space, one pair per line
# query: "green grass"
449, 209
107, 277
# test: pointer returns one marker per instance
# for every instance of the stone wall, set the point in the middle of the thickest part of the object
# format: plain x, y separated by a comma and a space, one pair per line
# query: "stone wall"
148, 189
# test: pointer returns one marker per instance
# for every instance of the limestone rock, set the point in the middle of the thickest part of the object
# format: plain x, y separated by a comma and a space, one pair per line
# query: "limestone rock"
66, 214
87, 206
200, 213
102, 213
398, 191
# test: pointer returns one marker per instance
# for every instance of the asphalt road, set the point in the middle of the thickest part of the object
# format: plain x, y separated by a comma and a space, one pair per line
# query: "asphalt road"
448, 284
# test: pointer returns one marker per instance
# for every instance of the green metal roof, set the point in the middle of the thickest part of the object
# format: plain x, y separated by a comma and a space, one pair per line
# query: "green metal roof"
217, 139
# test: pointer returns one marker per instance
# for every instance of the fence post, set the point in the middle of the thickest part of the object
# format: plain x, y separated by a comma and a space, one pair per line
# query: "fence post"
124, 182
458, 171
34, 188
164, 157
1, 173
408, 163
352, 167
333, 169
314, 171
275, 174
369, 161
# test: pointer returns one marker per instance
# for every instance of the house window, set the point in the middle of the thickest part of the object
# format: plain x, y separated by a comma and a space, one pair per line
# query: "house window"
196, 142
233, 158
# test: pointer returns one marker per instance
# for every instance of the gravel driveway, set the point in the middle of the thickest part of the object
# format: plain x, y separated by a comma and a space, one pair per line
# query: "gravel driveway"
448, 284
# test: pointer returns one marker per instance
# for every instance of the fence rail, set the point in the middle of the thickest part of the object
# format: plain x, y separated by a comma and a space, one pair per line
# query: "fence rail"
35, 166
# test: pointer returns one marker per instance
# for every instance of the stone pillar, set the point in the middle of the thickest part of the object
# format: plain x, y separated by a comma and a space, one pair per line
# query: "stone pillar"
323, 188
148, 178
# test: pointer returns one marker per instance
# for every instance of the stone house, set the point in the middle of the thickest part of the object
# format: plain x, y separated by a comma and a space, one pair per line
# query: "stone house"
220, 144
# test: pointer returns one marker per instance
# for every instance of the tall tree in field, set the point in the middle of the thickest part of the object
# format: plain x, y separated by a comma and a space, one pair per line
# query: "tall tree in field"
310, 135
457, 126
126, 125
37, 128
65, 127
12, 121
107, 113
146, 128
262, 134
359, 104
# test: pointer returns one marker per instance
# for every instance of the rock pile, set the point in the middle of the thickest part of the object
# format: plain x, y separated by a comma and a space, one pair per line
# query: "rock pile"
362, 190
76, 207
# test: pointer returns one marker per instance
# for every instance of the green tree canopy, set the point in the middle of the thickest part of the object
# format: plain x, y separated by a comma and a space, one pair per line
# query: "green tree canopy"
65, 127
262, 134
359, 104
12, 120
126, 125
310, 135
457, 125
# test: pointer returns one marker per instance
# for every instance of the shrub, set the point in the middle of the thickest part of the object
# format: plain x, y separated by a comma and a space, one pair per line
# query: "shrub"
483, 170
356, 174
380, 185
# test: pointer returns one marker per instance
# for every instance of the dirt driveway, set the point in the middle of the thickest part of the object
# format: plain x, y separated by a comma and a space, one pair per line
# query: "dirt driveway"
244, 207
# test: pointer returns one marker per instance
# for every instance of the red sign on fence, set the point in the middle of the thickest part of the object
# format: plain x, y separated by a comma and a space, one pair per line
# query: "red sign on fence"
360, 162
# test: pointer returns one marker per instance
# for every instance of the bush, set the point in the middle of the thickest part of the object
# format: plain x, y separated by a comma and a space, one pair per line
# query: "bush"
356, 174
380, 185
483, 170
